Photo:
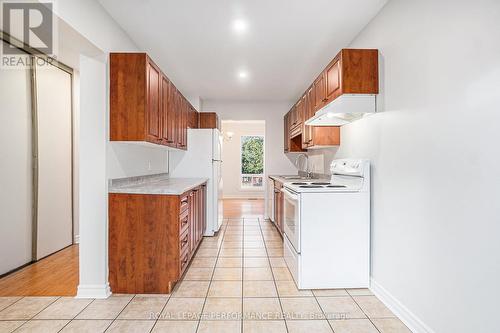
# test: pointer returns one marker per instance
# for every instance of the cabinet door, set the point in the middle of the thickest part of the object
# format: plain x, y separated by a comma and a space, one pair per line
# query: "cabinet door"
310, 113
169, 112
332, 76
153, 104
299, 112
305, 116
319, 92
186, 115
203, 209
192, 221
165, 115
286, 135
183, 111
178, 119
294, 118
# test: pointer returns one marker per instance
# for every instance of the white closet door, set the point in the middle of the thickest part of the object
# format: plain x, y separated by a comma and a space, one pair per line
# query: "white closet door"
54, 219
15, 169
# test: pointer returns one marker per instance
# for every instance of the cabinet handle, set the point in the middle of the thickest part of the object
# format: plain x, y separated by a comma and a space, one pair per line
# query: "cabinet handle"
325, 99
184, 201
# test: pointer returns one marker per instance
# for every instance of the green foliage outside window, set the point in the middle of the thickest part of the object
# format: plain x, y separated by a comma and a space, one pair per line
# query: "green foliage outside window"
252, 155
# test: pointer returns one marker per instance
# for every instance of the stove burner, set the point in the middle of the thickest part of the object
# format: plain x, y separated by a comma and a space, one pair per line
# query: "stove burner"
311, 186
299, 183
336, 186
320, 183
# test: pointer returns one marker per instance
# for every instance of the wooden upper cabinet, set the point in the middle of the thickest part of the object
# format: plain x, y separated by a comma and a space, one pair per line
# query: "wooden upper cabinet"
286, 132
167, 113
209, 120
359, 71
299, 112
182, 122
193, 118
332, 77
306, 130
319, 92
324, 136
145, 105
352, 71
153, 111
292, 132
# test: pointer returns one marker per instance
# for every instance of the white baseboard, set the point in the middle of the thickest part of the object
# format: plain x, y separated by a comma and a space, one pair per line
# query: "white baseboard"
93, 291
415, 324
77, 239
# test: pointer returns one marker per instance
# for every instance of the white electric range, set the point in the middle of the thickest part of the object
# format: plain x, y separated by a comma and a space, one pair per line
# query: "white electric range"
327, 228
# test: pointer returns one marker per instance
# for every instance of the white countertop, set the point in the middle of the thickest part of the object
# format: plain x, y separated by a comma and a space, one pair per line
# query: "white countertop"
166, 186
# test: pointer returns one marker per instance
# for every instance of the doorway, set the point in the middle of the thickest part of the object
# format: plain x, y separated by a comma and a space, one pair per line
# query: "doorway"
243, 153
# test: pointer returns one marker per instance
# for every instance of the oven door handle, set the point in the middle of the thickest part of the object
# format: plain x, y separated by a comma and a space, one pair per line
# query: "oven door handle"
290, 194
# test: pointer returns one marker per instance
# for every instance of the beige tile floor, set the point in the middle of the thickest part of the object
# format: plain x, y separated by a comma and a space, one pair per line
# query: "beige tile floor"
237, 282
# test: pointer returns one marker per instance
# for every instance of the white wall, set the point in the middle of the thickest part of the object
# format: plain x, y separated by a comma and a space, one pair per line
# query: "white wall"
231, 155
435, 211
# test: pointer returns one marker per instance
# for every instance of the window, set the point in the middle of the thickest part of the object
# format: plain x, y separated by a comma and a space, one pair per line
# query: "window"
252, 162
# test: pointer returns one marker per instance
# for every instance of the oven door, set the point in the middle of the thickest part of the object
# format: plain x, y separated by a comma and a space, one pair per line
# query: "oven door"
292, 218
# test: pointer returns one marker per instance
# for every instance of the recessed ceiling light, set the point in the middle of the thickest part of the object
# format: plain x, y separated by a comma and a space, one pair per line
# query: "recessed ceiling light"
243, 74
240, 26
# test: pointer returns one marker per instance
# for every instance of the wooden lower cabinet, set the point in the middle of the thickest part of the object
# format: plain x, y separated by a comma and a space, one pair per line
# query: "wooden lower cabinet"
152, 238
279, 202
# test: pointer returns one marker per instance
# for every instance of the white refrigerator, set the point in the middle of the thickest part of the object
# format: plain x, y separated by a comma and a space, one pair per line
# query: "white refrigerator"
203, 160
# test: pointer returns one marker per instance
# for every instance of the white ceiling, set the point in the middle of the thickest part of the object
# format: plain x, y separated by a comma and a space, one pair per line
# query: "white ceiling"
288, 42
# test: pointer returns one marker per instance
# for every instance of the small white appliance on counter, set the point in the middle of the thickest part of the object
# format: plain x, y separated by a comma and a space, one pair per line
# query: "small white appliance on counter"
327, 228
203, 160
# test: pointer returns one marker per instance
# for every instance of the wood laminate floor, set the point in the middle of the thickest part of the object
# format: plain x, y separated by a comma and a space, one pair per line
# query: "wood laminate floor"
244, 208
55, 275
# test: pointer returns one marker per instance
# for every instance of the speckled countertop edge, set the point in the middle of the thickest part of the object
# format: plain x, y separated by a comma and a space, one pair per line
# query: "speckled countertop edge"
154, 184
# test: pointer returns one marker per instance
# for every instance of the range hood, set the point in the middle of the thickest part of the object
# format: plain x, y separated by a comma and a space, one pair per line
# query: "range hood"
344, 109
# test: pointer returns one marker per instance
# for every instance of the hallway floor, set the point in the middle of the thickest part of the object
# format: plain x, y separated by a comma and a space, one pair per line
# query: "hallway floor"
237, 282
55, 275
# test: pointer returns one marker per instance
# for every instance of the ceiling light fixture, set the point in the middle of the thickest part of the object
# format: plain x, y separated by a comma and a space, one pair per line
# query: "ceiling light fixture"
240, 26
243, 75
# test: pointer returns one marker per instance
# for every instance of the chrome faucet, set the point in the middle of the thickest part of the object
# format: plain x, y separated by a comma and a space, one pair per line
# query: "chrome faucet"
307, 171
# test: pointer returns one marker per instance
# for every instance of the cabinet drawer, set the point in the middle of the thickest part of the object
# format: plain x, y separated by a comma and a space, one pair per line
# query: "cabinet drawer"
184, 242
184, 202
183, 222
183, 262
